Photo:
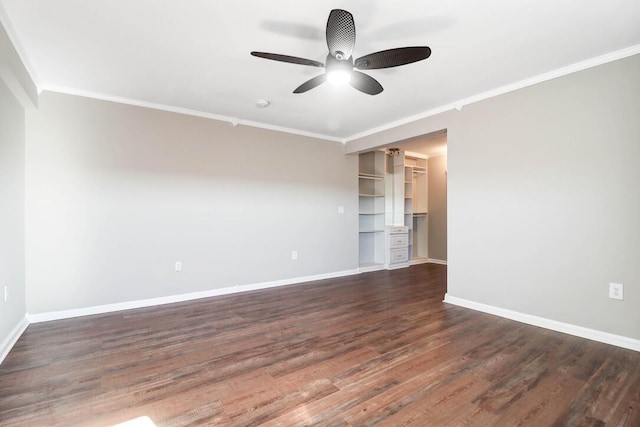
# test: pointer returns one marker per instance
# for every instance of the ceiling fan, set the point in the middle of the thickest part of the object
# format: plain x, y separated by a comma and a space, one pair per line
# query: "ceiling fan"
340, 66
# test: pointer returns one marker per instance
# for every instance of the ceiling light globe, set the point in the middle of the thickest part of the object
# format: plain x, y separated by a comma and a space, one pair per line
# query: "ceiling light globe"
339, 77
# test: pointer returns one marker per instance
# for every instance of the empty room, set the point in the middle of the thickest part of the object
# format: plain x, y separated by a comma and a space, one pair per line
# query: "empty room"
336, 213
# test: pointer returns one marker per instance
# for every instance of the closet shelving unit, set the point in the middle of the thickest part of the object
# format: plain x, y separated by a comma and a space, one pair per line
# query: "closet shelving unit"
416, 198
392, 194
371, 218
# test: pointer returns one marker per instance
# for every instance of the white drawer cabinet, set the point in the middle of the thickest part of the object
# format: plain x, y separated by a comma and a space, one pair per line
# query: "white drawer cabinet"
398, 241
399, 255
396, 247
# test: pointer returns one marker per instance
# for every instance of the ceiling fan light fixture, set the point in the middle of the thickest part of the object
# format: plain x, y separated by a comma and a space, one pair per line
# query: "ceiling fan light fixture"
340, 67
339, 77
338, 71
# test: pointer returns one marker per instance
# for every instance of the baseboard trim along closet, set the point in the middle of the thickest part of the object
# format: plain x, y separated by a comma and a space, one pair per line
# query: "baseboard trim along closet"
437, 261
128, 305
371, 268
12, 338
567, 328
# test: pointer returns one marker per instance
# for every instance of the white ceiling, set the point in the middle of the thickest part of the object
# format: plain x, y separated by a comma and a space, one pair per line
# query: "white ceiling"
193, 56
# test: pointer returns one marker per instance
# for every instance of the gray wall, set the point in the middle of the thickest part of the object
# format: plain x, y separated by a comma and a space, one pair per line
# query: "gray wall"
17, 91
437, 181
12, 256
544, 206
116, 194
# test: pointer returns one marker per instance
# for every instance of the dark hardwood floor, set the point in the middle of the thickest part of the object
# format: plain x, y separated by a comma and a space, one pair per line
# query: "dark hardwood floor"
374, 349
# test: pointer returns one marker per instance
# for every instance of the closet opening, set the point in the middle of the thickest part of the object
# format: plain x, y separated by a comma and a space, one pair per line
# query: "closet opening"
403, 203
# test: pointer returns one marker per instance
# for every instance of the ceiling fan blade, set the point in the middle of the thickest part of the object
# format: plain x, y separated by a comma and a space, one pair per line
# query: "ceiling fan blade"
341, 34
287, 58
365, 83
310, 84
392, 58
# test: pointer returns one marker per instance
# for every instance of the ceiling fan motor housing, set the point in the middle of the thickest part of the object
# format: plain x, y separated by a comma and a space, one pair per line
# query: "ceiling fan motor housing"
338, 64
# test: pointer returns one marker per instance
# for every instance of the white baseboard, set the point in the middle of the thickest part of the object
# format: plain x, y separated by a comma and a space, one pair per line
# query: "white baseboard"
417, 261
12, 338
554, 325
437, 261
397, 266
370, 268
127, 305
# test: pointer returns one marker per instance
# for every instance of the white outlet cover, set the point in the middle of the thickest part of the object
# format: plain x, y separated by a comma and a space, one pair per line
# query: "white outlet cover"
294, 255
616, 291
340, 209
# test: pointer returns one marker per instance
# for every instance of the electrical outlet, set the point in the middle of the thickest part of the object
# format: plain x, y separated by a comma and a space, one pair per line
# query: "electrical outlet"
178, 265
340, 209
616, 291
294, 255
6, 293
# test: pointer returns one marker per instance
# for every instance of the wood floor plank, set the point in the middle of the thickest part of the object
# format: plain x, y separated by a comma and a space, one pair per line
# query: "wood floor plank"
378, 348
543, 406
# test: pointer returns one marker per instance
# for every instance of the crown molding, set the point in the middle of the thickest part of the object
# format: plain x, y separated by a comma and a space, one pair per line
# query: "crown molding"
454, 106
560, 72
11, 33
461, 103
404, 121
186, 111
